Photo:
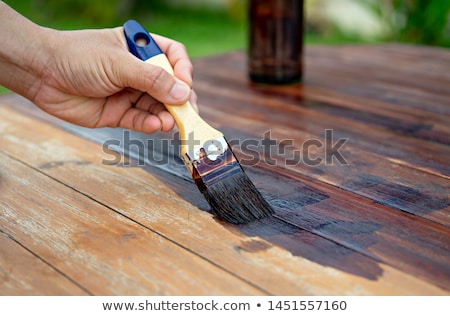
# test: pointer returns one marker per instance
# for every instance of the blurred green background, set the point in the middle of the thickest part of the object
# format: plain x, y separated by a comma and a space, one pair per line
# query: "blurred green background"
214, 26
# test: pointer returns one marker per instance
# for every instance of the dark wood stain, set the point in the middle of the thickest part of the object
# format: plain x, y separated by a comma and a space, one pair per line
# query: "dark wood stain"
401, 196
392, 123
312, 247
308, 207
389, 205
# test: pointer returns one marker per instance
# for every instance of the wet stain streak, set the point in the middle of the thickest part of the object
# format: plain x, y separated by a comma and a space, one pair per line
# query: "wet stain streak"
304, 244
397, 195
56, 164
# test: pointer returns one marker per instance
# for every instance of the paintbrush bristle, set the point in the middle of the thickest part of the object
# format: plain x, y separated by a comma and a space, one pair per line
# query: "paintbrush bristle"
236, 200
231, 194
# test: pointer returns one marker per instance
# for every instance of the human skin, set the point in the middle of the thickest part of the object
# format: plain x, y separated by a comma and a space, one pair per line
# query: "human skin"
89, 78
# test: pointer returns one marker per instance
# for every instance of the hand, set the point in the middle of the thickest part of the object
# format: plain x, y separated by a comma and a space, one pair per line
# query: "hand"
93, 80
89, 78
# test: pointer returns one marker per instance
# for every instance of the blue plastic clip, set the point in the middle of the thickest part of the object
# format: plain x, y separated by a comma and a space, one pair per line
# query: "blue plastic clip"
139, 41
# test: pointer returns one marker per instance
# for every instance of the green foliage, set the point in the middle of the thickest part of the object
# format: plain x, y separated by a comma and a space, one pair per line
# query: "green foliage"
3, 90
415, 21
100, 11
73, 13
204, 31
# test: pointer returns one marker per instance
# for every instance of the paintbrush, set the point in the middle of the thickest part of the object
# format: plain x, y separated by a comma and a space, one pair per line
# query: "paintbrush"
215, 169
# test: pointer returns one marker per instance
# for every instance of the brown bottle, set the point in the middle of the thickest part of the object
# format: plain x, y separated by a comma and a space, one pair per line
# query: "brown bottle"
275, 41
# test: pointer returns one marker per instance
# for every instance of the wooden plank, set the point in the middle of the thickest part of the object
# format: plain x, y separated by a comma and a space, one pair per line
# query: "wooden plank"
296, 107
412, 120
410, 77
379, 72
383, 171
384, 147
22, 273
106, 253
419, 187
407, 242
282, 259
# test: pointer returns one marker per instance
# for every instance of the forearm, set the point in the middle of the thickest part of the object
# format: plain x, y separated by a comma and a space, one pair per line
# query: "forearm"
23, 52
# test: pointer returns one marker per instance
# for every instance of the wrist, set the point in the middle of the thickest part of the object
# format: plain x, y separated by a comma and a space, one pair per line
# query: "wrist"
24, 52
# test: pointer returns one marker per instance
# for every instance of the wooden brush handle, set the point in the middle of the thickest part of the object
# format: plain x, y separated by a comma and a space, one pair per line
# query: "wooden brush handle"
186, 118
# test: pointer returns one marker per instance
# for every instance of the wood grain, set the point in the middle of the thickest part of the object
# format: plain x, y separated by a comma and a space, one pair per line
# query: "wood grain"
274, 256
23, 273
106, 253
377, 224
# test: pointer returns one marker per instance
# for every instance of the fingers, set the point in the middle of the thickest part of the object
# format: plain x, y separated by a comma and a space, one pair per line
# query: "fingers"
134, 110
148, 105
154, 80
137, 120
148, 115
178, 57
144, 122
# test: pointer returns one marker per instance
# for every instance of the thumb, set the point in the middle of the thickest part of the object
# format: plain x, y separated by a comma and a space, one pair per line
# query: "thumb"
155, 81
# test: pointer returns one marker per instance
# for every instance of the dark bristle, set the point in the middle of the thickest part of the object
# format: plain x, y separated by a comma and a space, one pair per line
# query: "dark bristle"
225, 186
235, 199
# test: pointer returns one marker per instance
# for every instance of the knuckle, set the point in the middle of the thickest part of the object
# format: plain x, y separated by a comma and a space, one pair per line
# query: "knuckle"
179, 46
155, 79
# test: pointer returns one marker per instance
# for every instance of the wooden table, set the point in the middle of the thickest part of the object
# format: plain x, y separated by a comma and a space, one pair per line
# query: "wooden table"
355, 161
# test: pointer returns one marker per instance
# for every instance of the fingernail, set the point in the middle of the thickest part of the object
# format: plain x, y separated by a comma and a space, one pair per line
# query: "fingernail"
180, 90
